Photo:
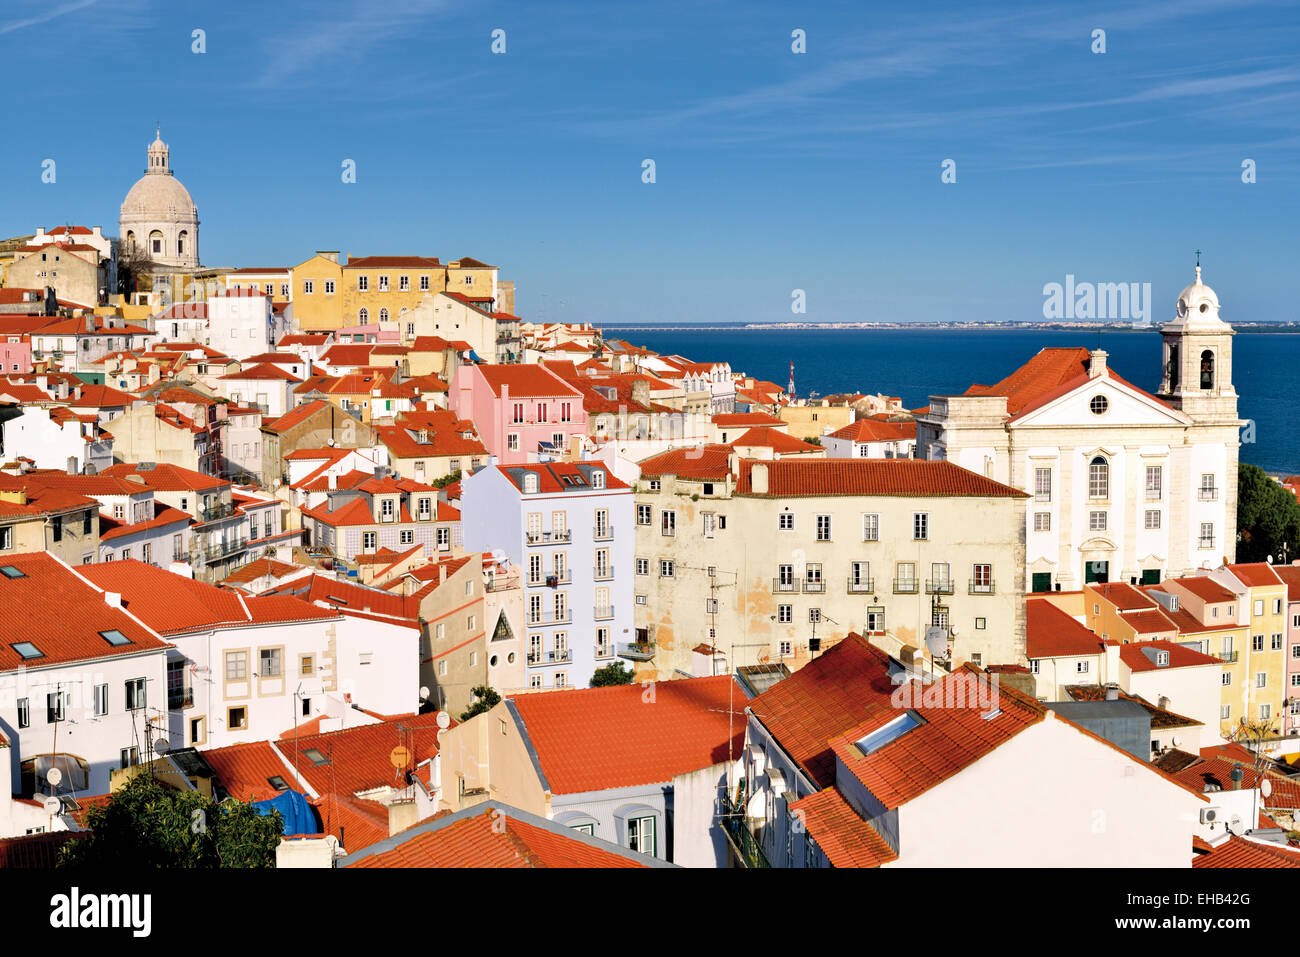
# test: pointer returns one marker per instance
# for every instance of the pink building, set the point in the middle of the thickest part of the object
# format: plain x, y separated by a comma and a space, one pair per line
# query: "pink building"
524, 413
15, 354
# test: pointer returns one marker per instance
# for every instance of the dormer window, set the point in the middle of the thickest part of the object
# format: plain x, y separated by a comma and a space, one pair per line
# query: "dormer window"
530, 483
1162, 659
597, 479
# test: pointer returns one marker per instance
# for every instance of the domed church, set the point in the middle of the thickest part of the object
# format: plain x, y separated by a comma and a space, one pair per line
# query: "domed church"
159, 216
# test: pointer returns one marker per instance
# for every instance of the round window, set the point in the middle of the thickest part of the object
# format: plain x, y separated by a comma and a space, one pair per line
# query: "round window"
1182, 307
1205, 307
510, 658
493, 661
1099, 404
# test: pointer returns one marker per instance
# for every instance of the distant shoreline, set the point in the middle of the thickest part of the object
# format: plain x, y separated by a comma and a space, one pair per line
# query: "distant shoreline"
1283, 328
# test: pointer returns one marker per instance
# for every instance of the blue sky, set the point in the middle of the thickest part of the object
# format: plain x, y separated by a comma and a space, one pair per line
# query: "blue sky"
775, 171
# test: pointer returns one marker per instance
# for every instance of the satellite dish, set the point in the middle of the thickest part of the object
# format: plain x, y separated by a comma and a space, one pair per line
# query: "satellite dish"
1176, 741
52, 805
936, 641
1266, 787
953, 631
54, 776
1234, 825
424, 692
160, 746
444, 720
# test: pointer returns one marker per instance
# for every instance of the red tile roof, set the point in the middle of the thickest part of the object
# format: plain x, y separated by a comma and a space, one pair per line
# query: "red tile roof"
1206, 588
1255, 574
801, 478
525, 381
844, 837
1123, 595
770, 438
549, 476
34, 850
1243, 852
243, 770
495, 836
360, 759
1051, 633
164, 515
1053, 372
1132, 654
691, 723
745, 420
262, 371
702, 462
875, 430
168, 478
1291, 575
62, 614
395, 262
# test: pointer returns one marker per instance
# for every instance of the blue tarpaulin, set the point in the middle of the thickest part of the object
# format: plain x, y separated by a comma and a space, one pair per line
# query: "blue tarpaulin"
299, 818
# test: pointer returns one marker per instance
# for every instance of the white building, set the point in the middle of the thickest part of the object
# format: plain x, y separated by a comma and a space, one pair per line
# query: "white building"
872, 439
251, 668
241, 322
83, 678
57, 438
569, 527
1127, 486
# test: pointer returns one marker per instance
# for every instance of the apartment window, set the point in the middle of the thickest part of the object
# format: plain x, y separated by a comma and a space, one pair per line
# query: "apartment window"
1208, 491
920, 526
1261, 679
1265, 712
135, 695
643, 515
666, 568
1225, 712
1226, 679
1099, 478
425, 509
406, 537
785, 648
785, 614
655, 485
1155, 483
871, 527
512, 441
1042, 521
785, 521
823, 528
269, 663
404, 283
306, 665
129, 757
236, 665
561, 679
982, 578
905, 576
329, 287
1097, 521
668, 522
814, 616
57, 528
383, 284
56, 706
284, 290
710, 606
1207, 535
1081, 667
24, 713
308, 286
875, 620
534, 681
1277, 606
860, 574
1259, 609
602, 643
7, 537
101, 700
386, 510
363, 283
1042, 485
1257, 642
1275, 642
237, 718
1152, 518
368, 541
424, 284
641, 834
1033, 666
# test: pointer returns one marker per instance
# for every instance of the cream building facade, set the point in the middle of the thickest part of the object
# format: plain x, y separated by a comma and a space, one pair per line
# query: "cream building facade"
159, 216
776, 561
1126, 485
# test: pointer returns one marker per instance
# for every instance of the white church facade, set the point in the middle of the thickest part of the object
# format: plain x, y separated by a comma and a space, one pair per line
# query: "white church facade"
1126, 485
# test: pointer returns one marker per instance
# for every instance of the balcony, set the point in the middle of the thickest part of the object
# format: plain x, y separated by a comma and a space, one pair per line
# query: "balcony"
981, 588
938, 586
1207, 494
179, 698
550, 657
1228, 657
564, 618
780, 586
602, 533
814, 588
636, 650
862, 586
603, 574
739, 836
224, 549
549, 538
603, 613
1206, 543
500, 583
905, 586
552, 581
214, 512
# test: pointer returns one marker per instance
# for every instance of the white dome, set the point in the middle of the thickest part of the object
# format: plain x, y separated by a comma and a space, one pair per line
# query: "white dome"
1197, 305
159, 215
159, 197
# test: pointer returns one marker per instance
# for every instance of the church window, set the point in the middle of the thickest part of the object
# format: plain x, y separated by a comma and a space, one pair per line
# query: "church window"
363, 317
1099, 404
1099, 478
1173, 367
180, 242
383, 315
1042, 485
1207, 369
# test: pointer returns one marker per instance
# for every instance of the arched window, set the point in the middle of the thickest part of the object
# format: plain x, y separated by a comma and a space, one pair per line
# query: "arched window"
1173, 367
156, 242
363, 317
130, 237
1098, 478
383, 314
181, 241
1207, 369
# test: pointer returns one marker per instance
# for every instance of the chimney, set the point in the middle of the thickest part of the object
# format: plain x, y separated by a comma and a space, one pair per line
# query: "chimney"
1236, 774
1097, 363
113, 599
442, 572
333, 481
331, 254
1112, 692
758, 478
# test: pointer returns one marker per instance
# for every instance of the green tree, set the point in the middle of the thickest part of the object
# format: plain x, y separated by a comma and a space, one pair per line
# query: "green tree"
446, 480
1268, 517
614, 674
485, 699
146, 825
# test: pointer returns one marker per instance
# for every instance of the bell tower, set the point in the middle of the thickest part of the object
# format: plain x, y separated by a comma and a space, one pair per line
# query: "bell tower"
1197, 373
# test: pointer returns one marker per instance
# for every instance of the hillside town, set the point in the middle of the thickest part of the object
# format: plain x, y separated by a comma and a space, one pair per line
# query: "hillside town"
430, 584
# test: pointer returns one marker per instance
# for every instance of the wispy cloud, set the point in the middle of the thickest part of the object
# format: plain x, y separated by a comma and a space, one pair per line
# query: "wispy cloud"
45, 15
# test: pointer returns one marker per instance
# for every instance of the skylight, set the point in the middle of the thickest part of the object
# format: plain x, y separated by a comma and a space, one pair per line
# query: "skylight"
26, 649
277, 782
9, 571
889, 733
115, 637
316, 756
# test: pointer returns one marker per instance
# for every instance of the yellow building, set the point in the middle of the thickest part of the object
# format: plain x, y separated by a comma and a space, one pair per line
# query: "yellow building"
816, 419
316, 289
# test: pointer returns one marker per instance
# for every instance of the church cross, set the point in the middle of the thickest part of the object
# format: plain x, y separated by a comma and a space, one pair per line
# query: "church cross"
1198, 257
